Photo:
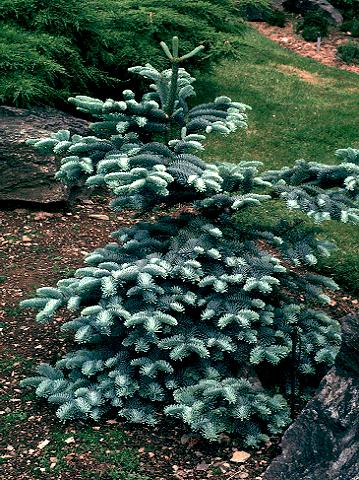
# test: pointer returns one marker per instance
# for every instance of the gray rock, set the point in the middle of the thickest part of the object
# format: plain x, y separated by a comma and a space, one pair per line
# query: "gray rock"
302, 6
323, 442
25, 174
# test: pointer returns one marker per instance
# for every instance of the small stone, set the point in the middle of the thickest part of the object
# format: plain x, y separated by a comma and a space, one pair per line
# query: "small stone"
42, 215
202, 466
99, 216
43, 444
243, 475
240, 456
26, 239
70, 440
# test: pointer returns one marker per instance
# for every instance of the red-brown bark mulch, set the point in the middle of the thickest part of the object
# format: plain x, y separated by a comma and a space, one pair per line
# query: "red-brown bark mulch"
327, 54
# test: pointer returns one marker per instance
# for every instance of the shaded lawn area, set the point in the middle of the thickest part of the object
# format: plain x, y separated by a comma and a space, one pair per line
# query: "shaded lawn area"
301, 109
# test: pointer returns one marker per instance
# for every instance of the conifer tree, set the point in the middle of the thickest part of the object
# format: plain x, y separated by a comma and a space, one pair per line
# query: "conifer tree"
192, 314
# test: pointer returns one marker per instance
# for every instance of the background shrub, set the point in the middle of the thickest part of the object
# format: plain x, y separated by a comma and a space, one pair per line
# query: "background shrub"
49, 50
348, 8
312, 26
276, 18
310, 34
349, 52
38, 67
351, 26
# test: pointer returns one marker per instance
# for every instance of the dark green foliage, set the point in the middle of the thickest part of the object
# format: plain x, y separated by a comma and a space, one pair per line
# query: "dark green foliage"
351, 26
348, 8
313, 25
254, 10
191, 315
349, 52
38, 67
345, 271
354, 29
310, 34
49, 50
277, 18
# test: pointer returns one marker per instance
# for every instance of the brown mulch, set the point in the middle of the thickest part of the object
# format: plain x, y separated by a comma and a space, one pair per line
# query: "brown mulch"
288, 39
36, 249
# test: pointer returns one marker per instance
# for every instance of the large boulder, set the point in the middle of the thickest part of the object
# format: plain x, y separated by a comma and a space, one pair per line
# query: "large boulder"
323, 442
303, 6
26, 175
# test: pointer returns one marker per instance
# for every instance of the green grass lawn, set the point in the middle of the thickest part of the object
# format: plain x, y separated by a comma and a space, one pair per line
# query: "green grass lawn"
301, 109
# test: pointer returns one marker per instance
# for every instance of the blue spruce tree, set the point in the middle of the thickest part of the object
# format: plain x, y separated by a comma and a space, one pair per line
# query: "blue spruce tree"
193, 314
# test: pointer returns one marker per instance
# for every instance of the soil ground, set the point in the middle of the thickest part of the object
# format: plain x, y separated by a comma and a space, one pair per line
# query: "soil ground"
37, 248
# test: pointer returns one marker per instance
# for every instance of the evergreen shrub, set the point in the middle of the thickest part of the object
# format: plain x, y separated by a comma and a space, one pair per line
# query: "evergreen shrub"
191, 314
349, 52
277, 18
313, 25
348, 8
351, 26
51, 50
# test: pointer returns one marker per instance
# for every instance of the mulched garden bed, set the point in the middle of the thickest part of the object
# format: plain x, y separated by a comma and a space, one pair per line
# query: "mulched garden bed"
288, 39
38, 248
